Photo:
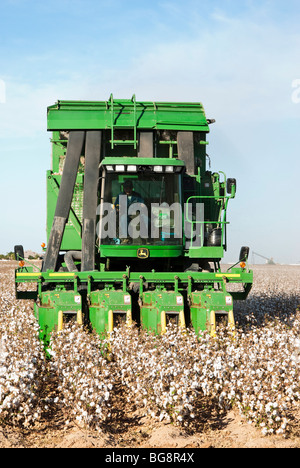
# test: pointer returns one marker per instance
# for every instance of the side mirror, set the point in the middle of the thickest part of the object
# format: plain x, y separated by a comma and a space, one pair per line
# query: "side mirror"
230, 184
244, 253
19, 252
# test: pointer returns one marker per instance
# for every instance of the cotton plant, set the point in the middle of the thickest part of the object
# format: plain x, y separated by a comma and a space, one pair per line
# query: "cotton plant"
22, 361
171, 377
84, 377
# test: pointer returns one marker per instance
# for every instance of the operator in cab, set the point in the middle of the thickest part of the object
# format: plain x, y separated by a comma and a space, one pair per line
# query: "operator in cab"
132, 197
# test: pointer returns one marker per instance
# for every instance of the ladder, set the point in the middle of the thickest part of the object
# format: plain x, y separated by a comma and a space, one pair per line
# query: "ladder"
129, 117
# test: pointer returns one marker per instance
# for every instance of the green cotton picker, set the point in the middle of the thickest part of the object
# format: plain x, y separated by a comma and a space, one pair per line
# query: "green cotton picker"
136, 223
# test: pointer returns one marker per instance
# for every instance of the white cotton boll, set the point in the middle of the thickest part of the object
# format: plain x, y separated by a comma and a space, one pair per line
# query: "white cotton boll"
257, 371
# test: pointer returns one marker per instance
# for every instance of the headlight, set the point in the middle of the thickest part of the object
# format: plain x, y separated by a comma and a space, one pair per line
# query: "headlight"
131, 168
120, 168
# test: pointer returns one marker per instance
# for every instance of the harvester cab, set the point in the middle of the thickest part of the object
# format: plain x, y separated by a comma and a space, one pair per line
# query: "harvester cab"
136, 223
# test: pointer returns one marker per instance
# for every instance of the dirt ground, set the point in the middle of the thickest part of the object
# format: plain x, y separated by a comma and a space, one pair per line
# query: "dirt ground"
129, 429
227, 432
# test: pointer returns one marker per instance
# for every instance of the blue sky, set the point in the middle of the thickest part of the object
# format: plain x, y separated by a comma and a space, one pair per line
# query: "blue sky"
239, 58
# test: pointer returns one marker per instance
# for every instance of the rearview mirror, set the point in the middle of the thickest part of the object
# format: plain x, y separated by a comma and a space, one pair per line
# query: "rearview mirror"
19, 252
231, 183
244, 253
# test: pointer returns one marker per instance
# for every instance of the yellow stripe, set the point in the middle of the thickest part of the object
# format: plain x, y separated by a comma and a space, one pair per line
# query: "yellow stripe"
228, 275
181, 319
110, 320
61, 275
212, 323
163, 321
128, 318
79, 317
26, 275
60, 322
231, 319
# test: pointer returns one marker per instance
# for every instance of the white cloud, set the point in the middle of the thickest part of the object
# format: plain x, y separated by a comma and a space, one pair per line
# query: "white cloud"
24, 113
242, 67
236, 67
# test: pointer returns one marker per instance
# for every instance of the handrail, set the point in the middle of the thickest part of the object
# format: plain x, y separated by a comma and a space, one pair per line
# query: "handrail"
112, 119
227, 198
219, 223
133, 99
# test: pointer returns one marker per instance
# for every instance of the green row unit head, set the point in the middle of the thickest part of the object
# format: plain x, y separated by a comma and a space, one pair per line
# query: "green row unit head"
109, 308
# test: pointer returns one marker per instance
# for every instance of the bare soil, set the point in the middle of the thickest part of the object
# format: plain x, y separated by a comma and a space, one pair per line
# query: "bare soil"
131, 431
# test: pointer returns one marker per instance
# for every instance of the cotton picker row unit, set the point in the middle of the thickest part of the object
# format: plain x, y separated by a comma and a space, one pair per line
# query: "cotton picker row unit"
136, 223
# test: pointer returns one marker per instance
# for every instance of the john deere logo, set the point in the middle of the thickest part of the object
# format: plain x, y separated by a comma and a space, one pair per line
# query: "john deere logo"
143, 253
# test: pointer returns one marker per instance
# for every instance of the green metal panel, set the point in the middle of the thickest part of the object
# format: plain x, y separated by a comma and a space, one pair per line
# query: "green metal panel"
74, 115
51, 302
131, 251
236, 275
105, 302
143, 161
47, 318
203, 302
206, 252
154, 303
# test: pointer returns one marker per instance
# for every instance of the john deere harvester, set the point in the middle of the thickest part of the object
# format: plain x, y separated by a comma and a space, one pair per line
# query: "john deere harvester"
136, 223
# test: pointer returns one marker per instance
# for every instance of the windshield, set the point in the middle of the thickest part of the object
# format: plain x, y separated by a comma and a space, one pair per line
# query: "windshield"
141, 209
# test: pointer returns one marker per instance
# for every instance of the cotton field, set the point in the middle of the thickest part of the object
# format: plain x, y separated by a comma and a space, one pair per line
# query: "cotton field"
174, 378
